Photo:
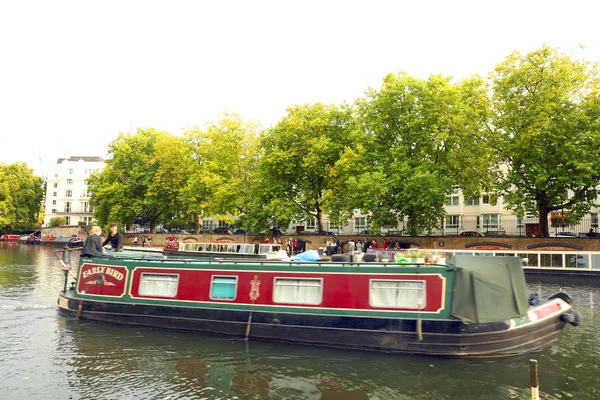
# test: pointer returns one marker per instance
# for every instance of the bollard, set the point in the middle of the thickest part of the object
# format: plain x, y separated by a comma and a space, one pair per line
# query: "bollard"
533, 374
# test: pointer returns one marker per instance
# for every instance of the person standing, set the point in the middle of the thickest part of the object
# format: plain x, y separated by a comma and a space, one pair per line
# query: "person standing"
93, 244
149, 241
143, 241
114, 238
135, 241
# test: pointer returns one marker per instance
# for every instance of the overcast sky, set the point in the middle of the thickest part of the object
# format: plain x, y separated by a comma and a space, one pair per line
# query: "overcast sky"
73, 74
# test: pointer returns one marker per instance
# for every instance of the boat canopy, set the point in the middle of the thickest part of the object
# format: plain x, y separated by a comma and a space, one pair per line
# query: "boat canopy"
489, 289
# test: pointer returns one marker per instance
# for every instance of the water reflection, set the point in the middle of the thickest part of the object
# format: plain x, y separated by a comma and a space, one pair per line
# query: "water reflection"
47, 355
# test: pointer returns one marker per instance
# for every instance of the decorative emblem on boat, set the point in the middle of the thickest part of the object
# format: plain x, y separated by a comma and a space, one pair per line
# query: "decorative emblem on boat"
100, 280
254, 284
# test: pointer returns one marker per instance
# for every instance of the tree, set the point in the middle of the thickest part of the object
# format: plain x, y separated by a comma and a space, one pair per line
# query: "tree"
57, 221
547, 113
21, 194
419, 140
226, 156
299, 154
143, 177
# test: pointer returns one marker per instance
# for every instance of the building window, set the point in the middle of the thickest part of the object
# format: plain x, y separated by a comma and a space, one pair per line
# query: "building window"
54, 194
207, 225
55, 185
298, 291
69, 193
491, 221
397, 294
594, 220
452, 221
161, 285
71, 171
485, 199
452, 200
54, 211
223, 287
311, 223
68, 206
519, 222
472, 202
56, 175
53, 202
67, 220
69, 181
360, 223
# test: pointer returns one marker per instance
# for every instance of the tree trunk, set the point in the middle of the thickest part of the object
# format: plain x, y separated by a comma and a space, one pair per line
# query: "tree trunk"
319, 220
543, 221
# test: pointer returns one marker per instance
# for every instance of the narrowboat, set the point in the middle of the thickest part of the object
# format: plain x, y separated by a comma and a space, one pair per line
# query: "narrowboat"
469, 307
223, 249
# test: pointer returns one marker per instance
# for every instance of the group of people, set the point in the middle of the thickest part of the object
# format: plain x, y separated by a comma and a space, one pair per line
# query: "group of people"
334, 246
94, 246
144, 241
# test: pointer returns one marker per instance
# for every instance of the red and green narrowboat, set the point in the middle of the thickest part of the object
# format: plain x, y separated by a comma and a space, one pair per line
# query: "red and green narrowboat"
472, 306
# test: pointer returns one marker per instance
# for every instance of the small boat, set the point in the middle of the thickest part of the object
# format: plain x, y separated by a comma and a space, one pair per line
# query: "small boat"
469, 307
9, 238
224, 249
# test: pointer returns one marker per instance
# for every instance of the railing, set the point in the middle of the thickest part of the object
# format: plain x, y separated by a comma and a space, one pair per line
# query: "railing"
576, 260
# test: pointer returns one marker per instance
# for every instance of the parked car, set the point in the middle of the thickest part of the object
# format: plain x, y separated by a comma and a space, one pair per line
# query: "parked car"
276, 231
470, 233
161, 230
222, 230
239, 232
330, 233
565, 234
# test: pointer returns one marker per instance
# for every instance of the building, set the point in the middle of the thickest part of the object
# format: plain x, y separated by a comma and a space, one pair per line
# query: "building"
66, 190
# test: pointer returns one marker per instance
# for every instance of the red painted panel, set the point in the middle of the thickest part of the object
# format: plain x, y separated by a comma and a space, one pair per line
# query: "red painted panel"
102, 280
547, 309
348, 291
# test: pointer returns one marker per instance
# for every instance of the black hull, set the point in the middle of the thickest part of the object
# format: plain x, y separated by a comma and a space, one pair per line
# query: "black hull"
440, 338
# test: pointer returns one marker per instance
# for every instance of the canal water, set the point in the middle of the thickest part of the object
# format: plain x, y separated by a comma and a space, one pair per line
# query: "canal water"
44, 355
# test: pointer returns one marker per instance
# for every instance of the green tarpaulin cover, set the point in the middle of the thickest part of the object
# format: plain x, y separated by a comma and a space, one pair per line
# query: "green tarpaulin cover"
488, 289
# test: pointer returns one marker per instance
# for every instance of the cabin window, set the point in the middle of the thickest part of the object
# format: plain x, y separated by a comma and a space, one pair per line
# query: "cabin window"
298, 291
223, 287
162, 285
397, 294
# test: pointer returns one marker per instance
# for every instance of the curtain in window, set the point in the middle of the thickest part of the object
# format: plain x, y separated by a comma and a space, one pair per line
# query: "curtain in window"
298, 291
158, 285
398, 294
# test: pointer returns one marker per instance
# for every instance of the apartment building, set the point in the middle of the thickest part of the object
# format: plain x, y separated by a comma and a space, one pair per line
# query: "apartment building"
66, 191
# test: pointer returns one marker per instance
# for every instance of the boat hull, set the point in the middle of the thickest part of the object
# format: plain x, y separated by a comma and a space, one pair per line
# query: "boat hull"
439, 337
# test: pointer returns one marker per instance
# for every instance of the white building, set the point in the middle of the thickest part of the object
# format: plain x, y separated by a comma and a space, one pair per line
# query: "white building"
66, 191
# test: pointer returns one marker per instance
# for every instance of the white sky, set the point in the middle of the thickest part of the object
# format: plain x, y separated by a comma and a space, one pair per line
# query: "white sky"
73, 74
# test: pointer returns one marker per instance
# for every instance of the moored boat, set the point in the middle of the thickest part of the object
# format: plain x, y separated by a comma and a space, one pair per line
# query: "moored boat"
223, 249
9, 238
472, 306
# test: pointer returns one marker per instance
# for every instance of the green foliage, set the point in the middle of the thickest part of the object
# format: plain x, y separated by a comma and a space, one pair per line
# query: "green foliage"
57, 221
142, 179
417, 139
547, 110
296, 167
226, 156
21, 195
